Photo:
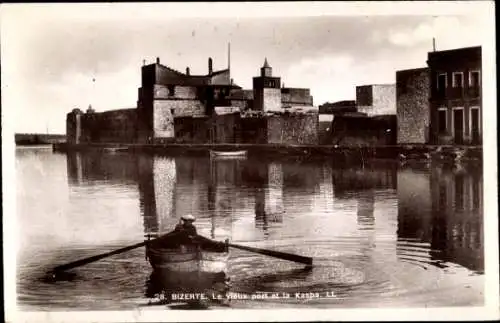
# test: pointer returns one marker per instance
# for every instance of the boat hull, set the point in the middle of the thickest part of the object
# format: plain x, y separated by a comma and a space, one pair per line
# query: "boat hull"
187, 269
186, 259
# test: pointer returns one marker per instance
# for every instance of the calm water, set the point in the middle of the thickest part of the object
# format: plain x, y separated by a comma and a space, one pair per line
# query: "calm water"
380, 235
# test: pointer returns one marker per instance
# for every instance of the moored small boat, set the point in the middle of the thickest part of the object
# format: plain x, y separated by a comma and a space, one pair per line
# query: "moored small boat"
228, 154
114, 150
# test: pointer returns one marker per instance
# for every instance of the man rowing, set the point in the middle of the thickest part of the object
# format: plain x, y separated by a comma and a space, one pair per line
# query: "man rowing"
185, 233
186, 225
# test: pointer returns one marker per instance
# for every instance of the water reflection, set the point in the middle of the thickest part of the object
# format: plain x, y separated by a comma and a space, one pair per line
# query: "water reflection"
442, 208
393, 225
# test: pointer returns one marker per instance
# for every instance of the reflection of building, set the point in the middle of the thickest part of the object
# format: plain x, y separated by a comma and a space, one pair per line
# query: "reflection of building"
414, 205
157, 184
95, 167
323, 197
300, 183
147, 196
75, 169
223, 194
193, 176
366, 208
445, 210
457, 212
455, 95
347, 181
154, 177
366, 220
269, 197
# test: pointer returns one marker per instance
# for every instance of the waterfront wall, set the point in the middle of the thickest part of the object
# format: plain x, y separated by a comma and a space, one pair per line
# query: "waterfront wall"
253, 130
192, 130
293, 128
74, 126
115, 126
363, 131
226, 128
413, 109
37, 139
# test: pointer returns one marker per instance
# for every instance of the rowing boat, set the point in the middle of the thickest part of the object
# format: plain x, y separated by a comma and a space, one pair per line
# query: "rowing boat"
228, 154
203, 255
187, 259
200, 267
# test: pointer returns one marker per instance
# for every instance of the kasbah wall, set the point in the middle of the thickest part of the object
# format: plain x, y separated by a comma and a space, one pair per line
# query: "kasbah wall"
115, 126
293, 128
413, 111
165, 96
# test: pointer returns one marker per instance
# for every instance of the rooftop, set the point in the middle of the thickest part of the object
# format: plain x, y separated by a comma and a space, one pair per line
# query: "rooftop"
456, 50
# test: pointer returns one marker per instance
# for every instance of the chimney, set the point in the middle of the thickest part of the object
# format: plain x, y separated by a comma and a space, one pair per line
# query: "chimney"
210, 70
157, 60
232, 81
187, 71
433, 44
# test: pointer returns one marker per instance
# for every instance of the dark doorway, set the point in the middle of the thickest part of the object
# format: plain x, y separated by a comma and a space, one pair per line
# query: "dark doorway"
474, 126
442, 122
458, 125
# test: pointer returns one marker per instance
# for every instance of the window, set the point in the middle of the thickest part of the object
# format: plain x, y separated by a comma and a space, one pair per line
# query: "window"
442, 81
171, 90
458, 79
442, 120
474, 79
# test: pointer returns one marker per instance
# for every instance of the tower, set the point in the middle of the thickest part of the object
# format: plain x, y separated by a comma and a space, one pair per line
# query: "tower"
267, 90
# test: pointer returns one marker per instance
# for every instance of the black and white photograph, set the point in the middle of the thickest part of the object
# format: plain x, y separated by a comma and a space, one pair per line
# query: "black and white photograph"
230, 161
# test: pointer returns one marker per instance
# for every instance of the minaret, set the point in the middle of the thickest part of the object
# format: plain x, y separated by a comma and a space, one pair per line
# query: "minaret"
267, 90
266, 70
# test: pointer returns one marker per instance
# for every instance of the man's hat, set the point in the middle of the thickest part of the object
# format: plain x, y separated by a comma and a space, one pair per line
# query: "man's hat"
188, 217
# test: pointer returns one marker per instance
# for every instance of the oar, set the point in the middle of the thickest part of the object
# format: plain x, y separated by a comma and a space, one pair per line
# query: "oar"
277, 254
88, 260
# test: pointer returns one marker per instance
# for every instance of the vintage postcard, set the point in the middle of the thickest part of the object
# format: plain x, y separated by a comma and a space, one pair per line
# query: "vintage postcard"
249, 161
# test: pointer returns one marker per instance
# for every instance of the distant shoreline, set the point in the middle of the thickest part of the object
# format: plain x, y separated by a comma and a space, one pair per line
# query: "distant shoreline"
36, 139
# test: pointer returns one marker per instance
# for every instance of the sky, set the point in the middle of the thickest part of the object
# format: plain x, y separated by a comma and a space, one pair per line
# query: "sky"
63, 56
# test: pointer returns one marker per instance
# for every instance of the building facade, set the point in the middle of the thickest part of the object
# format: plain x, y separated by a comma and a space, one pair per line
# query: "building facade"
173, 106
412, 102
166, 94
376, 99
455, 96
